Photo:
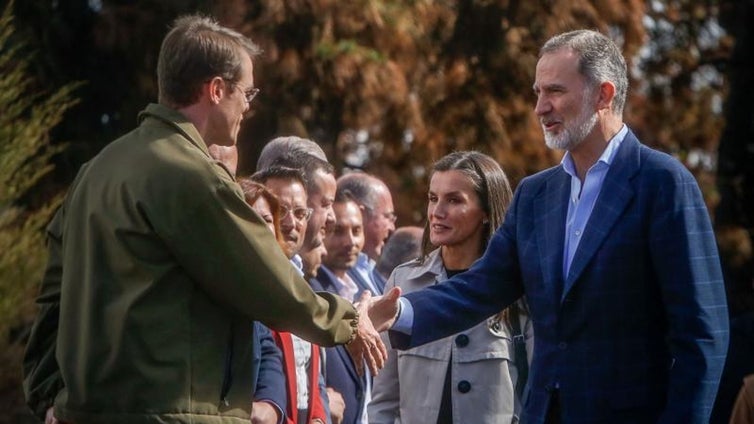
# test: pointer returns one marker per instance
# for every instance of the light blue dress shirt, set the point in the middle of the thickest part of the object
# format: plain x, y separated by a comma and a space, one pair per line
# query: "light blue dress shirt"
583, 197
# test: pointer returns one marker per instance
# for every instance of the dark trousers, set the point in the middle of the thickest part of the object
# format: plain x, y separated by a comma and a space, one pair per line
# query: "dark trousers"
553, 411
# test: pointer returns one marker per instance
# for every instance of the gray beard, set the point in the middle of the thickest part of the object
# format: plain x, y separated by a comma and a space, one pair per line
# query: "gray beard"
571, 137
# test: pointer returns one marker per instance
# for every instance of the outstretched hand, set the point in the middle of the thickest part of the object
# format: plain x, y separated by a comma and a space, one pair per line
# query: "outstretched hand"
384, 309
367, 347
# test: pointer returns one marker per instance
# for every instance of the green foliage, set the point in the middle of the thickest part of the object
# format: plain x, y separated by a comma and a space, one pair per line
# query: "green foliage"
27, 117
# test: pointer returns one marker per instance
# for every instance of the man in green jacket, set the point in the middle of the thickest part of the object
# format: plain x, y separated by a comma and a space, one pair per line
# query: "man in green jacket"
158, 266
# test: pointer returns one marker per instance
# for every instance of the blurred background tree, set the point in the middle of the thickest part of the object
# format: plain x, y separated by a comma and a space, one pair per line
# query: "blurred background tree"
28, 115
391, 86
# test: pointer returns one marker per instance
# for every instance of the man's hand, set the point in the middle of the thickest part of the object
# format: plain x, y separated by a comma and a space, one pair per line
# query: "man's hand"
337, 405
50, 417
264, 413
383, 310
367, 346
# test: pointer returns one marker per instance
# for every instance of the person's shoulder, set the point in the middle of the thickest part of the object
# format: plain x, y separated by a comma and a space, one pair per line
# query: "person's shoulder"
662, 166
533, 183
419, 269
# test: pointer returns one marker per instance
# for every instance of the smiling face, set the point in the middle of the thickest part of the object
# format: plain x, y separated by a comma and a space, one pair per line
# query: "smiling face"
566, 104
456, 217
320, 201
346, 239
292, 197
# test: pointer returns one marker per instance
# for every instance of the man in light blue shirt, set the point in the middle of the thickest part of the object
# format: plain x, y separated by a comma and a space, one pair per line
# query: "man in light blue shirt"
615, 253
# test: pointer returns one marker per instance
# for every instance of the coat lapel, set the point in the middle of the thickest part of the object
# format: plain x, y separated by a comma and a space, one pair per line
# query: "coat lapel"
348, 361
614, 196
550, 209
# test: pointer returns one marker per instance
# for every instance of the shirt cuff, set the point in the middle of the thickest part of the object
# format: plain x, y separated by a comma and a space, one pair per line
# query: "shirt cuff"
405, 321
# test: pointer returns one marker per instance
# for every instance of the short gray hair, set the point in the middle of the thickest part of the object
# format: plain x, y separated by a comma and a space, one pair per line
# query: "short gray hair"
362, 187
280, 146
600, 60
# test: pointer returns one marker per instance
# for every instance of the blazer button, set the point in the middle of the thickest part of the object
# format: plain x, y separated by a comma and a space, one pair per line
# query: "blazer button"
562, 345
462, 340
464, 386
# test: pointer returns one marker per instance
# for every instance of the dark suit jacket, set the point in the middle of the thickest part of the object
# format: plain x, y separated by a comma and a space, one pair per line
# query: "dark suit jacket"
340, 373
377, 282
637, 332
269, 381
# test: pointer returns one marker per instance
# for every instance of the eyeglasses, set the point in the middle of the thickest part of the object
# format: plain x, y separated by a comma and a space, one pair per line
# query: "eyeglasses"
301, 214
249, 94
390, 216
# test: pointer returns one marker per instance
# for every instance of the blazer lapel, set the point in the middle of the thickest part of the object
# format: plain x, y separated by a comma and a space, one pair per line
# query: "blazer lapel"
348, 361
550, 209
378, 280
614, 196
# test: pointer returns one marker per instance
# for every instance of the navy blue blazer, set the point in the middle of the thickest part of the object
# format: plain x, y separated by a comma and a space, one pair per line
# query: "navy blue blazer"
269, 380
340, 373
638, 331
379, 284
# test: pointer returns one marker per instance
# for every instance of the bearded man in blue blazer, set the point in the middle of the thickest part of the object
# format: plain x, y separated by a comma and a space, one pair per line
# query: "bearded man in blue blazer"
614, 252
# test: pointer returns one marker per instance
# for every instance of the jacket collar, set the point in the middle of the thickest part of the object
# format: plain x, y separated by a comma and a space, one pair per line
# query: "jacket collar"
551, 206
431, 268
616, 194
175, 119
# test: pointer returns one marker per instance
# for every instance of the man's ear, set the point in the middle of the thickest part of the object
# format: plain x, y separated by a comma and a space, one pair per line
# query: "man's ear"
607, 93
215, 90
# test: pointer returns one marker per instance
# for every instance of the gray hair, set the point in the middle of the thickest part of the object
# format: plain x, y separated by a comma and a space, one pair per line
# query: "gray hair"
280, 146
362, 188
600, 60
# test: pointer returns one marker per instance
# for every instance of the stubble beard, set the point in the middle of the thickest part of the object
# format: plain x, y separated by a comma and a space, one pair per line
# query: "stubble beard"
572, 135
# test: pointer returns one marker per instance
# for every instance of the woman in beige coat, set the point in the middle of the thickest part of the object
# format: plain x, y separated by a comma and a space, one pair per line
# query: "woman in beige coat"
470, 376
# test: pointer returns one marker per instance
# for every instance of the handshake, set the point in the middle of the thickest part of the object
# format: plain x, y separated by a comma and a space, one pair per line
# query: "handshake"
376, 314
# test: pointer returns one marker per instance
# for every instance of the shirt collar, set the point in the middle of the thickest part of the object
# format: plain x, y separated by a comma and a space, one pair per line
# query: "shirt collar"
298, 263
607, 155
363, 262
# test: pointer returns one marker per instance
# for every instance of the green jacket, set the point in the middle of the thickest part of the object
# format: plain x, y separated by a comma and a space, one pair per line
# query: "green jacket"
157, 268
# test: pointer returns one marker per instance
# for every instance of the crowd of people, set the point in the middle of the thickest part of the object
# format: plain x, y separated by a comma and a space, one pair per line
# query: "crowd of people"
178, 291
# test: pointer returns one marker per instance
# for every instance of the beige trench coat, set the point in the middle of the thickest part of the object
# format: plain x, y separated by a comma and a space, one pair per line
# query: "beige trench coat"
483, 374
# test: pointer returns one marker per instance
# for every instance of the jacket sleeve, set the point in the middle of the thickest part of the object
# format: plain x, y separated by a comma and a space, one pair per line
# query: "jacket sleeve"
42, 379
207, 226
271, 382
384, 407
685, 258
